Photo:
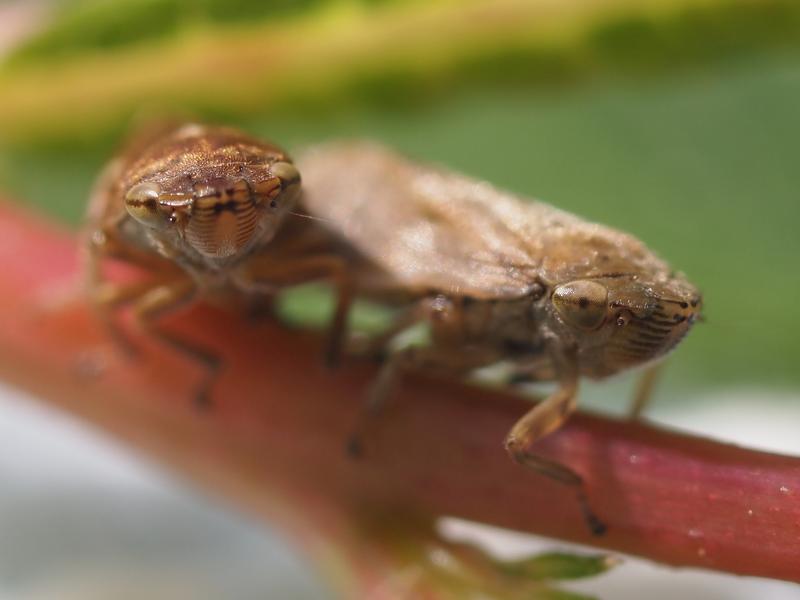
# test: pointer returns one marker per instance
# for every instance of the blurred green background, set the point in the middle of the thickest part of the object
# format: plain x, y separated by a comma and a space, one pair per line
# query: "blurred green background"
675, 120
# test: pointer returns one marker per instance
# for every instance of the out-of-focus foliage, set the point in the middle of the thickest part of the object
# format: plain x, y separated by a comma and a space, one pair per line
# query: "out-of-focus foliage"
86, 25
557, 565
97, 25
428, 564
102, 62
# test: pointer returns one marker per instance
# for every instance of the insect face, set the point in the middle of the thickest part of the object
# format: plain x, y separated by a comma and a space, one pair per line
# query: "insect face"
211, 196
225, 217
670, 309
622, 322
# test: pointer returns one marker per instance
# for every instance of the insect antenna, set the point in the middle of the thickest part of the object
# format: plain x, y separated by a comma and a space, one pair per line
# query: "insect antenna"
312, 217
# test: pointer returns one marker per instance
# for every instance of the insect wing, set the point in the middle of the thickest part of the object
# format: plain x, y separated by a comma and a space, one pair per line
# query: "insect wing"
425, 227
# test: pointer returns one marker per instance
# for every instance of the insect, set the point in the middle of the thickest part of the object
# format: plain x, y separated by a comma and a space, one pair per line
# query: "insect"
497, 278
199, 209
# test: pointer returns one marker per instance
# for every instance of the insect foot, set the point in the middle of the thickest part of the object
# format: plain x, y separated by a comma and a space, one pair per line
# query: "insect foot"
560, 473
355, 447
202, 399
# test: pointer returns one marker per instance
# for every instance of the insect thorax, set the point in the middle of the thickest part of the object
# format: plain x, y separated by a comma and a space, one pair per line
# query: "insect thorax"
512, 326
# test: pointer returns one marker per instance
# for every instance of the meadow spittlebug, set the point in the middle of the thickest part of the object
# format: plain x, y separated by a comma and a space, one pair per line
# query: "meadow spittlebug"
495, 277
198, 208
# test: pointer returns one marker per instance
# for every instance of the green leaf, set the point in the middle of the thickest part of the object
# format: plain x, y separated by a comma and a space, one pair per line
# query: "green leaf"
557, 565
106, 62
97, 25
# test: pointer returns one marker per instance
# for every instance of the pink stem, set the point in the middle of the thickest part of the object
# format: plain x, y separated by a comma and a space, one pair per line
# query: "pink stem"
274, 441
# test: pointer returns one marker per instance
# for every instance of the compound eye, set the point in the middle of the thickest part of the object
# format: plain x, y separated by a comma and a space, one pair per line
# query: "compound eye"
289, 178
141, 202
287, 173
582, 304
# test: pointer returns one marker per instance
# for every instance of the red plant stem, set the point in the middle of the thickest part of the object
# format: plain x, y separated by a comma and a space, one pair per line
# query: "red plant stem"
275, 436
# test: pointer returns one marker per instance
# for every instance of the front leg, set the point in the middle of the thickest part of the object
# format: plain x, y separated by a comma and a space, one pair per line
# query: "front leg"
151, 299
544, 418
104, 295
167, 298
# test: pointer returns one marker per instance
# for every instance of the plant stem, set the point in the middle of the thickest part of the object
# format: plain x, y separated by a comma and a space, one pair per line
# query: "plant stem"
274, 440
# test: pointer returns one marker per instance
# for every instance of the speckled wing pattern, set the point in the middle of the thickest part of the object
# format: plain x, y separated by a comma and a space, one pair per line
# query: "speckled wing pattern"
425, 227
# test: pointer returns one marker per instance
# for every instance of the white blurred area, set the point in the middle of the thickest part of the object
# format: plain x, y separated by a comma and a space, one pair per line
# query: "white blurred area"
82, 519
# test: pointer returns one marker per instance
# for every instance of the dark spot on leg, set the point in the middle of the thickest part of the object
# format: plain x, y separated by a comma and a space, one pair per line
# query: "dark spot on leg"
596, 526
354, 447
202, 400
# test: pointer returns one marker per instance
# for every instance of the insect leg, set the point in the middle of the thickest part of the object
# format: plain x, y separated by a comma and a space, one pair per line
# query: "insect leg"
105, 241
166, 298
542, 419
104, 296
535, 369
377, 346
378, 395
344, 299
444, 360
644, 390
274, 274
392, 363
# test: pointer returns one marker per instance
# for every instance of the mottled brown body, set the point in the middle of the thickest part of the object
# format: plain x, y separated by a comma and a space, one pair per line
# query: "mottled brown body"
497, 278
199, 208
